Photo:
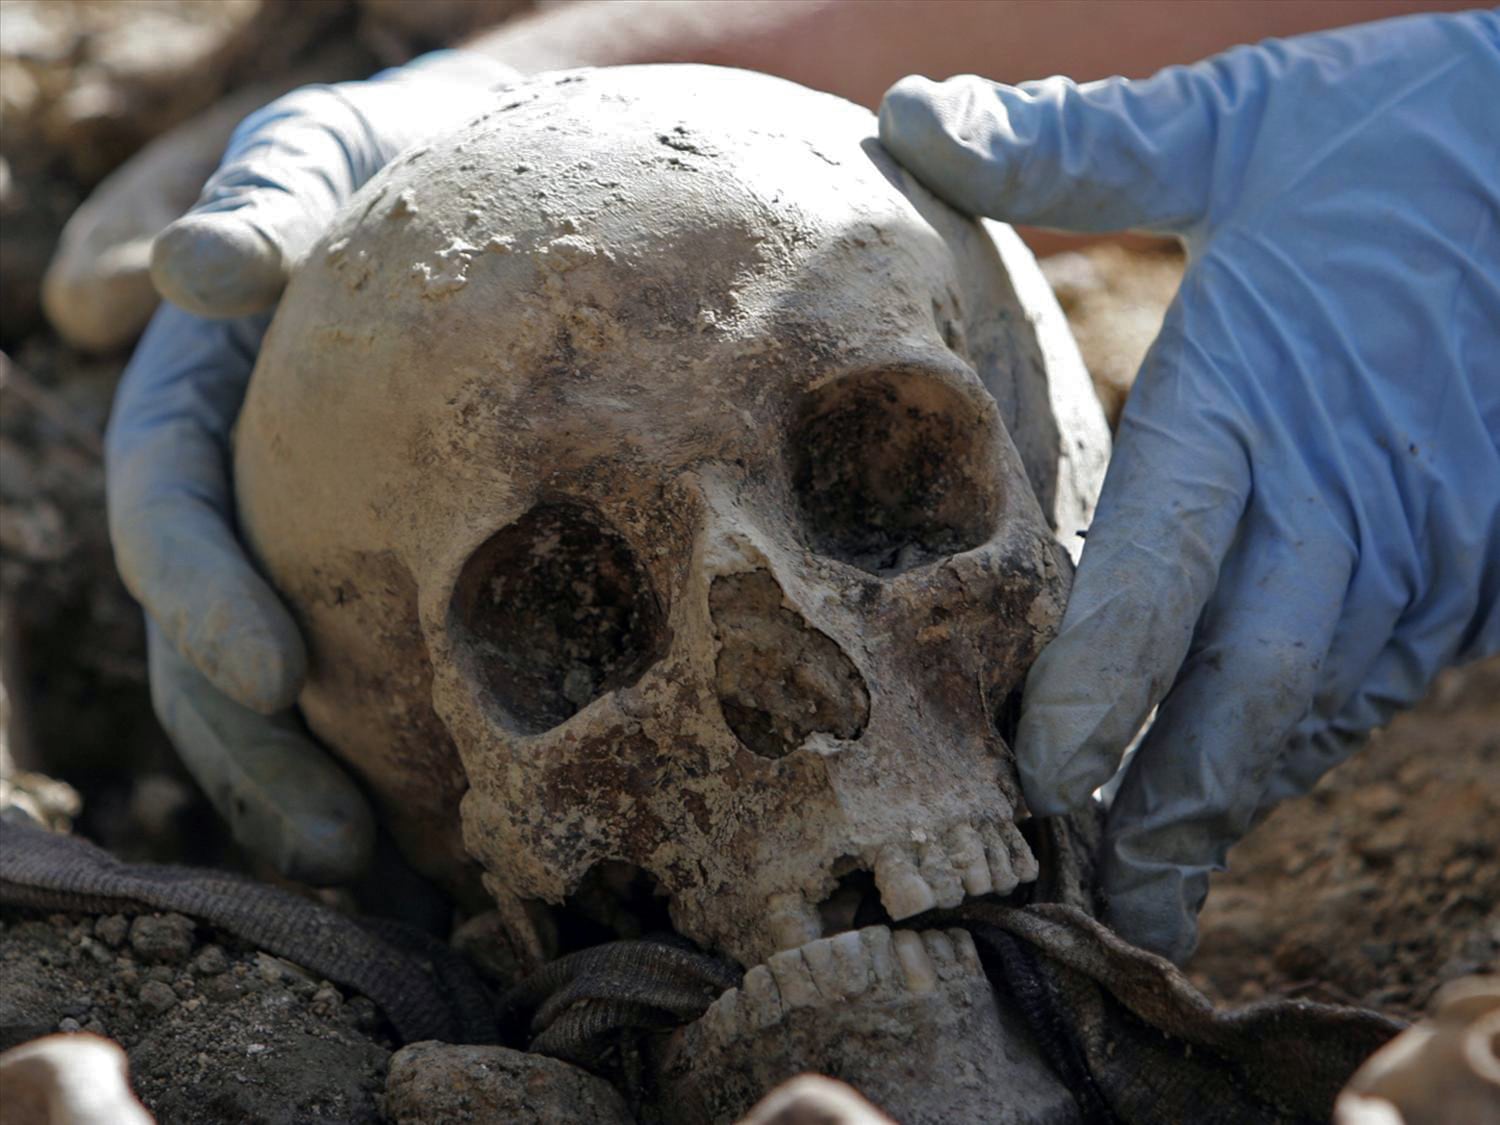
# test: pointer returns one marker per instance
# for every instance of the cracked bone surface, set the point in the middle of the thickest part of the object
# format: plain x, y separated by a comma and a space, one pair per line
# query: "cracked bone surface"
670, 489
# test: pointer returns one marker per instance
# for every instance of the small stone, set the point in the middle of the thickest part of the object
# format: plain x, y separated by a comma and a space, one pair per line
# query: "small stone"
95, 1027
440, 1082
278, 1000
1460, 870
162, 973
211, 961
157, 996
168, 937
1382, 800
1384, 844
112, 930
96, 951
69, 1024
326, 1002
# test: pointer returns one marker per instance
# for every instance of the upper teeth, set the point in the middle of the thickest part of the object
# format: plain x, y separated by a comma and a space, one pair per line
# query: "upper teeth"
912, 878
975, 859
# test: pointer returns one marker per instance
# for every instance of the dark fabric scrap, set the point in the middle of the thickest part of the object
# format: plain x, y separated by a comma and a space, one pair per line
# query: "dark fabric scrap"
426, 990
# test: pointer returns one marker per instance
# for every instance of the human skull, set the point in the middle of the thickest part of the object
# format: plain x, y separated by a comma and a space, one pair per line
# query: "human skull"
654, 469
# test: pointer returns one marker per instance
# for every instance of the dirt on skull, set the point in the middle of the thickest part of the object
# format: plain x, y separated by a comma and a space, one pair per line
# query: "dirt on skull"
778, 679
214, 1031
888, 475
555, 611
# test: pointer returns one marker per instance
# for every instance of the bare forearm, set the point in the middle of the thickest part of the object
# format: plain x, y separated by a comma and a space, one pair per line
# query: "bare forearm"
857, 48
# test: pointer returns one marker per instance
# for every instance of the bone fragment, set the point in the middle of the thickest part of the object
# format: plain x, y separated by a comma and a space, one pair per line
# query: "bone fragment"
811, 1099
78, 1079
1443, 1071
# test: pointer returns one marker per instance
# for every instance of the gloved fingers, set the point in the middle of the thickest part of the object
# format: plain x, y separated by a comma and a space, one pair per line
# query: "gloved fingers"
1312, 751
1101, 156
284, 799
288, 169
292, 165
1195, 784
1395, 680
1168, 512
171, 505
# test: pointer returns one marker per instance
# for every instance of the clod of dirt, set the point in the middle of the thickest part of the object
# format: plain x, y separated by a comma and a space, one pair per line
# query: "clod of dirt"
211, 1035
440, 1082
1381, 884
162, 937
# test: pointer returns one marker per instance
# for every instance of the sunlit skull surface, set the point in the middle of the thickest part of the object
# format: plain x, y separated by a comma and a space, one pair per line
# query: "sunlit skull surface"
654, 469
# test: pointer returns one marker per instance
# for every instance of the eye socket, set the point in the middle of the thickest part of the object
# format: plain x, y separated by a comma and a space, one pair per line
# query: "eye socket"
552, 612
892, 471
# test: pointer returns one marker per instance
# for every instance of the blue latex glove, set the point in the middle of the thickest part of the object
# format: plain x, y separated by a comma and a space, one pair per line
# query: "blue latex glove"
226, 659
1301, 522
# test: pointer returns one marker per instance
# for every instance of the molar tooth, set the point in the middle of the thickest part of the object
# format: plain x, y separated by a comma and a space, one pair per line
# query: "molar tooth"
851, 963
881, 954
967, 952
903, 892
944, 956
792, 920
916, 965
1022, 862
760, 999
966, 851
793, 979
937, 870
1002, 875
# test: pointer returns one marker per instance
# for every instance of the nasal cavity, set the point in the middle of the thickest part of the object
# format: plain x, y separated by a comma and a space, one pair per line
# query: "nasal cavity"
779, 679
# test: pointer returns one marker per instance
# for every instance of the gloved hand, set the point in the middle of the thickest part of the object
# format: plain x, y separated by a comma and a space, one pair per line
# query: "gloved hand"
1301, 522
226, 659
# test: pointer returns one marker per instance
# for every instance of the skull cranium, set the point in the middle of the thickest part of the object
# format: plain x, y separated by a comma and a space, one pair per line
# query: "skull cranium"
655, 471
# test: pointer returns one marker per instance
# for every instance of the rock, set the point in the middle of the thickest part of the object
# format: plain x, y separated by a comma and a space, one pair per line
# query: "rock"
157, 997
440, 1082
165, 937
113, 929
210, 962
